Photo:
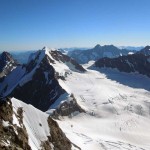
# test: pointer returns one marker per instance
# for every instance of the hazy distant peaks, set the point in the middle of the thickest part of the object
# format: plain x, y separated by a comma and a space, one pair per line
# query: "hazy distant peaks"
97, 46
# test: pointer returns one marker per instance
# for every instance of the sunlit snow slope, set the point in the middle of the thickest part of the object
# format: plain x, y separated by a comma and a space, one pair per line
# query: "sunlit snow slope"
117, 109
43, 132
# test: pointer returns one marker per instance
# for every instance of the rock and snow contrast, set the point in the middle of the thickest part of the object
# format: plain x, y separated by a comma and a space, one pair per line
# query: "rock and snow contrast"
131, 63
36, 82
23, 127
96, 108
117, 110
7, 64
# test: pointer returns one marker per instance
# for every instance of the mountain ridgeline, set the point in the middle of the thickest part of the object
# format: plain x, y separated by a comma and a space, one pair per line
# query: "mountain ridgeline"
36, 82
139, 62
57, 85
110, 51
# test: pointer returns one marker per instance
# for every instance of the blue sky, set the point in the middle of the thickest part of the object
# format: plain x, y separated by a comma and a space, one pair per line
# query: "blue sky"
31, 24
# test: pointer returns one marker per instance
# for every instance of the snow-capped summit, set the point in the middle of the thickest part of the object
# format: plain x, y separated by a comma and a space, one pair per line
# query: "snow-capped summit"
45, 48
7, 64
37, 82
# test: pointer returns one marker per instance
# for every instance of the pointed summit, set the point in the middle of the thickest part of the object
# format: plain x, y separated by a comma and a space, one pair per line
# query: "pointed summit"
37, 81
7, 63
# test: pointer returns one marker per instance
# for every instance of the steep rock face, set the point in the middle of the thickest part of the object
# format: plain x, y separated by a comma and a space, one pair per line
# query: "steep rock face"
110, 51
37, 82
42, 90
57, 55
18, 132
11, 135
58, 138
145, 51
7, 64
131, 63
67, 108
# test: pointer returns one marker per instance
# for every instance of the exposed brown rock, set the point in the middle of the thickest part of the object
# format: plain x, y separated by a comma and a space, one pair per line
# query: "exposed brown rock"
67, 108
58, 138
12, 137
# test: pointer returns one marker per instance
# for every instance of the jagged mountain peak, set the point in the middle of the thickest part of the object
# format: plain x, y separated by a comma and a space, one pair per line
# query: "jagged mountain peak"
55, 58
45, 48
5, 56
41, 74
7, 63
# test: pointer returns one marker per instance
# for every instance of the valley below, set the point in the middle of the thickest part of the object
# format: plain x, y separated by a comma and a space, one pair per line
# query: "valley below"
117, 116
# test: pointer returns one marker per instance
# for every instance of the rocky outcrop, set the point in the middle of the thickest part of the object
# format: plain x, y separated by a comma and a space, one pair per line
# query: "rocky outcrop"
67, 108
131, 63
14, 136
11, 135
58, 138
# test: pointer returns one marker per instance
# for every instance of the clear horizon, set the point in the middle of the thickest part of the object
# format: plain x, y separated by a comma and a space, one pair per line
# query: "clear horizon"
31, 24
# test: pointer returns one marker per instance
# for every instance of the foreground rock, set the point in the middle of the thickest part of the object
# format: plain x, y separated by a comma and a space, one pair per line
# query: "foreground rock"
23, 127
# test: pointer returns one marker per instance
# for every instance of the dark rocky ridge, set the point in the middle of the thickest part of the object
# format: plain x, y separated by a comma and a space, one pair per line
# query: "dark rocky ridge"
67, 108
58, 138
7, 63
84, 56
40, 91
131, 63
145, 51
57, 55
38, 81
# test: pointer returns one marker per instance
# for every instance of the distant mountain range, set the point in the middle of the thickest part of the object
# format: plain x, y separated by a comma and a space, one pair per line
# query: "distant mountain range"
131, 47
22, 56
110, 51
138, 62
